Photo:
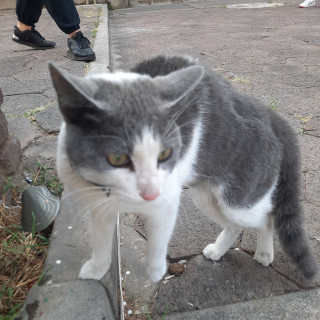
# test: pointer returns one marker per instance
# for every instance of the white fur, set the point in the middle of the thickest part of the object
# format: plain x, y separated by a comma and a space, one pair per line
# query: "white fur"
149, 180
184, 168
234, 219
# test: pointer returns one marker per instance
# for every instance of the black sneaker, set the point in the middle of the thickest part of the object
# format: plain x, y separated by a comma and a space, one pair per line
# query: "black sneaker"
31, 38
79, 47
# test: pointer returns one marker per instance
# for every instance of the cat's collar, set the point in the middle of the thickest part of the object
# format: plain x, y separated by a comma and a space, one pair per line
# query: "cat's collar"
103, 188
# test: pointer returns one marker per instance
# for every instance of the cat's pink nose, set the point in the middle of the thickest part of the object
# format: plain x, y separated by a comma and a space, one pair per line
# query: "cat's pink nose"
149, 197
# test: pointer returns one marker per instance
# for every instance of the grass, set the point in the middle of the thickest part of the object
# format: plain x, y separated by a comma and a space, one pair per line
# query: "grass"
241, 80
273, 103
304, 122
96, 24
22, 254
29, 114
110, 6
46, 176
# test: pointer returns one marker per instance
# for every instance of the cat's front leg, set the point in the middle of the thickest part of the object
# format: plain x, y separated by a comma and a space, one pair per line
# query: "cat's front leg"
215, 251
103, 225
160, 225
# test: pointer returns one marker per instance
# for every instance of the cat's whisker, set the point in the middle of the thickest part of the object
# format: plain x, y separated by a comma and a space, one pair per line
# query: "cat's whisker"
82, 193
104, 201
115, 139
174, 117
178, 128
70, 192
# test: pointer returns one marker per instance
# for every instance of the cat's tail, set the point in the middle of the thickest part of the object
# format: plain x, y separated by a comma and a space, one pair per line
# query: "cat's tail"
288, 210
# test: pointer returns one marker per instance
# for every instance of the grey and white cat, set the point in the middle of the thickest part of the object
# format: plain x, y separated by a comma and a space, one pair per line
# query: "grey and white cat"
131, 141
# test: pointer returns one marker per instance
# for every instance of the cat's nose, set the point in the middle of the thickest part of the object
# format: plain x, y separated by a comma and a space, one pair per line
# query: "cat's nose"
149, 197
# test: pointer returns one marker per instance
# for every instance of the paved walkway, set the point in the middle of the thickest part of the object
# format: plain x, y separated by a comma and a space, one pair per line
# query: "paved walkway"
271, 52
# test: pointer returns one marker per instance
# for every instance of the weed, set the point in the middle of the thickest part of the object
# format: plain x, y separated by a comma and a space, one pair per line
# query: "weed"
94, 33
30, 113
11, 186
46, 176
273, 103
241, 80
22, 256
110, 6
302, 131
304, 121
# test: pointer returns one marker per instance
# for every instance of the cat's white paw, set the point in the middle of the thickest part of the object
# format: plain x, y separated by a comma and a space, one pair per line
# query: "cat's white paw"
213, 252
155, 273
92, 270
265, 258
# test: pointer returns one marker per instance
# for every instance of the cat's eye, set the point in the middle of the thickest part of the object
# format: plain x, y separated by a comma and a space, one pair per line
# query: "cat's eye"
118, 160
164, 155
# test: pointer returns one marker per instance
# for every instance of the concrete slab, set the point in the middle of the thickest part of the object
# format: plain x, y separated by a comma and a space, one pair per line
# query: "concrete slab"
70, 248
70, 301
45, 147
25, 104
298, 305
22, 129
266, 51
50, 118
135, 283
236, 275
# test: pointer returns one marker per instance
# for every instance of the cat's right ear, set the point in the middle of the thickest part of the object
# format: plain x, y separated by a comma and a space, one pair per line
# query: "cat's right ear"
176, 85
73, 94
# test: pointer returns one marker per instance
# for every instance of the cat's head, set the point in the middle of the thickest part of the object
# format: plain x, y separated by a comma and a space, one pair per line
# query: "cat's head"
122, 129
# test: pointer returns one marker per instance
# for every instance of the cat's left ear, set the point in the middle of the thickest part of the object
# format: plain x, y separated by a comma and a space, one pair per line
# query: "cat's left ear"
74, 93
176, 85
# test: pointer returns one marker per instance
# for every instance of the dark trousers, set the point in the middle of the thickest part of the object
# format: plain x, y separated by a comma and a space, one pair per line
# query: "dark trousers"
63, 12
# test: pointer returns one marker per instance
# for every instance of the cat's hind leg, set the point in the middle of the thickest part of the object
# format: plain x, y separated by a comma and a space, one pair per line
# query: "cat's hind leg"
103, 225
215, 251
205, 201
264, 252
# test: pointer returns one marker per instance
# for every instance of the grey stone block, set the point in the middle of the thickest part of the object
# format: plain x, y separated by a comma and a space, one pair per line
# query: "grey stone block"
22, 129
49, 119
293, 306
205, 283
25, 103
73, 300
45, 147
70, 248
133, 259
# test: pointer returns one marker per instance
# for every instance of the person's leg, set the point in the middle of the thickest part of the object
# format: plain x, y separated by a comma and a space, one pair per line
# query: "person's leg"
67, 19
64, 14
28, 13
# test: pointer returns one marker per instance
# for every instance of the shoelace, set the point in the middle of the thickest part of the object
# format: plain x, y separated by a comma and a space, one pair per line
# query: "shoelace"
37, 34
82, 40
